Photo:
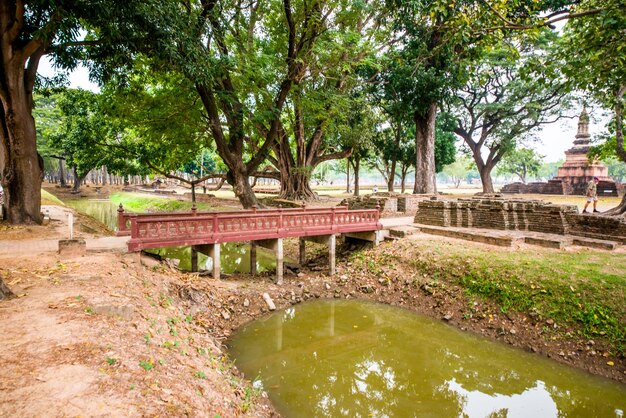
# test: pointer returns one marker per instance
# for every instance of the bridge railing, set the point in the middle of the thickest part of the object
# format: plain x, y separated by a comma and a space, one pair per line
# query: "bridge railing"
154, 230
124, 218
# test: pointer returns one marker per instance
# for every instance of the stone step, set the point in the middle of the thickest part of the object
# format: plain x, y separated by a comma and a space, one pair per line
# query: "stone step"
557, 243
595, 243
499, 240
402, 231
603, 237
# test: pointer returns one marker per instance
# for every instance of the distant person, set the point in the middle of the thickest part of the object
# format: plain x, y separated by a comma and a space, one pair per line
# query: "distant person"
592, 194
375, 189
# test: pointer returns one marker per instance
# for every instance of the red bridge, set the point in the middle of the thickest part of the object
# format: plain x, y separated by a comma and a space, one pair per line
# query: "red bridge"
204, 231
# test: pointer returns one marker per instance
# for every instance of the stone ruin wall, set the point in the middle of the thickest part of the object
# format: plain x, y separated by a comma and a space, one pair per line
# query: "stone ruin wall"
496, 213
519, 215
390, 203
598, 227
560, 187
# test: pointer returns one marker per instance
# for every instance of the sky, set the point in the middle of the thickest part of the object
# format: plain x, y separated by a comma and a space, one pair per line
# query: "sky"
553, 140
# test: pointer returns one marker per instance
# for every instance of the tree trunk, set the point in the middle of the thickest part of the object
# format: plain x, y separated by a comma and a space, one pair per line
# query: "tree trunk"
347, 176
22, 166
619, 210
242, 189
104, 175
78, 180
62, 173
403, 174
357, 163
485, 178
425, 182
297, 186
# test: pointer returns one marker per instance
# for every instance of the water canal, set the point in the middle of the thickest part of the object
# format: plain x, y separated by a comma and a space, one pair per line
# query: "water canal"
358, 359
234, 257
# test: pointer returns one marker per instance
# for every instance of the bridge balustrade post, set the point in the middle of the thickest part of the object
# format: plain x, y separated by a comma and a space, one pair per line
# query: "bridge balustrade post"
215, 230
333, 226
280, 219
121, 224
134, 228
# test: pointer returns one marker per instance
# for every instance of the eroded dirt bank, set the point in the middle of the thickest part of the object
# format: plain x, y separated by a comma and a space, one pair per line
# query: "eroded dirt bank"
110, 333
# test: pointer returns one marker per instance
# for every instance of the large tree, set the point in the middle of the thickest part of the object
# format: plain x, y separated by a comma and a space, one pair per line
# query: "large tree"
29, 30
243, 58
513, 90
327, 98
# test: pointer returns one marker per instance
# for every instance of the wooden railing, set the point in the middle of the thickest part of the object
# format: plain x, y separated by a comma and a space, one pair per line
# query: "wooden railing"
196, 228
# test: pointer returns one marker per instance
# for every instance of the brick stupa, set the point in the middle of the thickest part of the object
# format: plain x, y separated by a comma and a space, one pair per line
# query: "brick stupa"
578, 171
574, 175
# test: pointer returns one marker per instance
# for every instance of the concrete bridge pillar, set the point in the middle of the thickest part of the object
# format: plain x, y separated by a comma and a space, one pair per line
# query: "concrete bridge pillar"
253, 257
330, 240
211, 250
275, 245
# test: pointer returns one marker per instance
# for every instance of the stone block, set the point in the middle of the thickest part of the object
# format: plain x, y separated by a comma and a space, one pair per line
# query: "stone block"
72, 247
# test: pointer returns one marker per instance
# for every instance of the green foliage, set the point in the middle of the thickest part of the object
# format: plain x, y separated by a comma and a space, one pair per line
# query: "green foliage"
548, 170
521, 162
147, 365
617, 169
459, 169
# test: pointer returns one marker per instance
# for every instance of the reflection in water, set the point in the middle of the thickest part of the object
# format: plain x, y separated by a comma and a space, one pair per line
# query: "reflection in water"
348, 358
532, 402
234, 257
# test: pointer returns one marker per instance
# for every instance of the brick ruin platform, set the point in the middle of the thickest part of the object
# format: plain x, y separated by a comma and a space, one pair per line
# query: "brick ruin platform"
503, 214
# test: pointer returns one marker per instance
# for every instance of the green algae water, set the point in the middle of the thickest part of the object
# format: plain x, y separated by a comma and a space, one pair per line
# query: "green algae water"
234, 257
358, 359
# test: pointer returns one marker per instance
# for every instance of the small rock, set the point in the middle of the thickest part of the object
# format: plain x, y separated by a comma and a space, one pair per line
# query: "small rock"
327, 286
427, 289
343, 277
550, 321
562, 354
366, 289
513, 331
225, 315
300, 274
448, 316
269, 302
246, 302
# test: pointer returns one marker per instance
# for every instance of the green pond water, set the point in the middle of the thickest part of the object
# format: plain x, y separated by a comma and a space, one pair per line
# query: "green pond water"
358, 359
234, 257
